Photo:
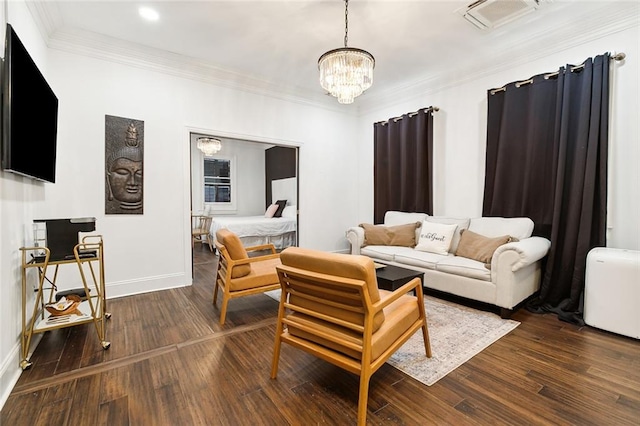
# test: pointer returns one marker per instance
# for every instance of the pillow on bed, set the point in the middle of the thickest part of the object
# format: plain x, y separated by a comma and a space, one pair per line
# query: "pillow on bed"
281, 205
289, 211
271, 210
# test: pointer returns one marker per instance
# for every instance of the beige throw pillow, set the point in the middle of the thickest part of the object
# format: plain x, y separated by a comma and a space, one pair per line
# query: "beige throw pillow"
398, 235
478, 247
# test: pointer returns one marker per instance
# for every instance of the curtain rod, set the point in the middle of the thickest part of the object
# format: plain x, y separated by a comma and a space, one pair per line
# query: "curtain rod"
411, 114
616, 56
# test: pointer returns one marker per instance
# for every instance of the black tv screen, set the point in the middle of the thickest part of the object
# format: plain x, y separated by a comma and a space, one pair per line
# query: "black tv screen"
29, 115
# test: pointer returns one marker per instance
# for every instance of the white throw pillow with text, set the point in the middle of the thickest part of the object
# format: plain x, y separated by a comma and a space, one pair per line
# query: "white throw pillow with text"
436, 237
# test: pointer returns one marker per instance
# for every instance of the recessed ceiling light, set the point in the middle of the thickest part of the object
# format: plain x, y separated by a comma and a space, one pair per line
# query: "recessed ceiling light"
148, 13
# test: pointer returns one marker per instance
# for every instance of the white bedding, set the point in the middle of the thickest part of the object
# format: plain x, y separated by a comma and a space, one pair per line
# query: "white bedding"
256, 230
254, 226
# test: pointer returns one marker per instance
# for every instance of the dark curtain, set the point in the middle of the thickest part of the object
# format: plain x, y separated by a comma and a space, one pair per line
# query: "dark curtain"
403, 164
547, 145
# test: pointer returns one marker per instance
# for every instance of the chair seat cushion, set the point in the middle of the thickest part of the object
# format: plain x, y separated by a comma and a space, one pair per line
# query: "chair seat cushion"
261, 273
399, 316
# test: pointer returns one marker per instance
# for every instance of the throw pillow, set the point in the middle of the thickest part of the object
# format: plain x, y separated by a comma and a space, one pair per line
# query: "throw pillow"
281, 205
289, 211
463, 223
478, 247
271, 210
398, 235
436, 237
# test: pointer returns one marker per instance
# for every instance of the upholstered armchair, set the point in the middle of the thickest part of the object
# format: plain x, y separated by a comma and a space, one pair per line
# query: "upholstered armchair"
330, 307
240, 275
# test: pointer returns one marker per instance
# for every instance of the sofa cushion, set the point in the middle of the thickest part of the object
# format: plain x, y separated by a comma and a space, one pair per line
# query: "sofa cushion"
436, 237
421, 259
399, 218
383, 235
463, 266
382, 252
518, 227
462, 222
479, 247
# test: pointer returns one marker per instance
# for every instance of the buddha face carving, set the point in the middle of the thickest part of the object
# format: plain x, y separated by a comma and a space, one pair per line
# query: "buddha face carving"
124, 172
125, 182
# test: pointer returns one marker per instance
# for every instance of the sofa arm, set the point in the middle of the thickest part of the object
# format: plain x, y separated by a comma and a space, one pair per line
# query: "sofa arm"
355, 236
528, 251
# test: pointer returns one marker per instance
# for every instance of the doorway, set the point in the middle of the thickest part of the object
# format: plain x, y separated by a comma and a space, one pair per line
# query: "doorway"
240, 182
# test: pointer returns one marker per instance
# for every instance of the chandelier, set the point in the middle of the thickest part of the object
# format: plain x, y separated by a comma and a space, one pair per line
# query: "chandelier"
209, 146
346, 72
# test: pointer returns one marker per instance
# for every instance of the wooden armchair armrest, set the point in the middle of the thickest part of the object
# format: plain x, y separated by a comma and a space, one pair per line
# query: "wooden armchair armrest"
250, 260
262, 247
398, 293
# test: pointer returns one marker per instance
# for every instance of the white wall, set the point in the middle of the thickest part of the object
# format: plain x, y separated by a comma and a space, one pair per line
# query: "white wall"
248, 161
21, 200
152, 251
460, 136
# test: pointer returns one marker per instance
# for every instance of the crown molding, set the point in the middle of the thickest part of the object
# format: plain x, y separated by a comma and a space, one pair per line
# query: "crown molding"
46, 15
608, 20
87, 43
49, 21
585, 28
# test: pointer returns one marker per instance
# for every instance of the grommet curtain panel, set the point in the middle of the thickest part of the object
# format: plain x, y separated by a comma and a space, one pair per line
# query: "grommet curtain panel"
546, 158
403, 164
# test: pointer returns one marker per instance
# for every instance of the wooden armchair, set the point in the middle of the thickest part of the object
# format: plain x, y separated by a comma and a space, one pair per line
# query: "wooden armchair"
201, 230
240, 275
331, 307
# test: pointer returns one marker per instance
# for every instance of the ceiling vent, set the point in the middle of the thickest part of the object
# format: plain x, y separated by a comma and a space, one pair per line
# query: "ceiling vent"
486, 14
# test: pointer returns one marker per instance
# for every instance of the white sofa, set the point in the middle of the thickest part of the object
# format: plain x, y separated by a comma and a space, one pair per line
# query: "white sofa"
513, 275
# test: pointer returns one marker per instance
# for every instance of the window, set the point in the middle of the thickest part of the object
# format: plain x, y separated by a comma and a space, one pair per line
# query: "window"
217, 180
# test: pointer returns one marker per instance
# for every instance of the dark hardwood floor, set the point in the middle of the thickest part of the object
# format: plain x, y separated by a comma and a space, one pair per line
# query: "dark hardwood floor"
170, 363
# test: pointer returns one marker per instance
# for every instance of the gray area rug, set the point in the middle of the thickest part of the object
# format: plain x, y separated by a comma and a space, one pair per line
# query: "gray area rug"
457, 334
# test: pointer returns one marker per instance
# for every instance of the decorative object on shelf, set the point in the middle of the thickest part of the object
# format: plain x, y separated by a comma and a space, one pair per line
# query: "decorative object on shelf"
346, 72
209, 146
66, 306
124, 159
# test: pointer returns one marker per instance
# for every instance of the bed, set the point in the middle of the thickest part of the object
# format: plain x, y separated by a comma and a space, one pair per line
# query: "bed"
257, 230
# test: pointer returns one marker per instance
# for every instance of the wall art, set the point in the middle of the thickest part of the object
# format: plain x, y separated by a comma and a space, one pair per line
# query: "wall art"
124, 159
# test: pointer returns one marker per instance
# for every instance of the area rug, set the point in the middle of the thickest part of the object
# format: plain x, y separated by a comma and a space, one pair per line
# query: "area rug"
457, 334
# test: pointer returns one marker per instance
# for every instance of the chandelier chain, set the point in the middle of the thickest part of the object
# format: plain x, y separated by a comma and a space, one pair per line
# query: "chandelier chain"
346, 72
346, 21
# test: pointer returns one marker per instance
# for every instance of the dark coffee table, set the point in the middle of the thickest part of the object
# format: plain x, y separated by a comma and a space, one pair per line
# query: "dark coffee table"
393, 277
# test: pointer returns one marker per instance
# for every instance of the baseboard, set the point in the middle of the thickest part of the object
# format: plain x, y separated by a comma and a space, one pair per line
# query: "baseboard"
10, 370
146, 285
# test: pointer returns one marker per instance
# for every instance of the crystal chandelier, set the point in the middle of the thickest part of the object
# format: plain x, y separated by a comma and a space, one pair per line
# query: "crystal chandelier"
209, 146
346, 72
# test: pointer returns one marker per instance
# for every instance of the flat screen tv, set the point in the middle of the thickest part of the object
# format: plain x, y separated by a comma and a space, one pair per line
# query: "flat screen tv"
29, 115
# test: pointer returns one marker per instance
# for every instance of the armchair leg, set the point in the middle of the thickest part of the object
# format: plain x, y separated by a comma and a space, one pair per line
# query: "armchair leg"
363, 398
276, 357
427, 341
223, 309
